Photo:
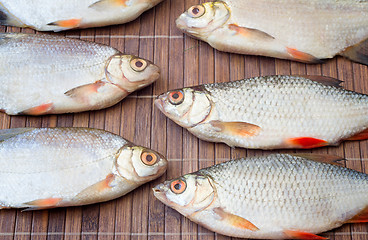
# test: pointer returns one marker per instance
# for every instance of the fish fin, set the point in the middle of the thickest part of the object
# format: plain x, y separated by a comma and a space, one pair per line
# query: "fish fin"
302, 235
6, 18
12, 132
363, 135
249, 32
360, 217
102, 4
324, 158
43, 204
39, 110
306, 142
97, 188
357, 53
236, 128
302, 56
83, 92
235, 220
327, 81
68, 24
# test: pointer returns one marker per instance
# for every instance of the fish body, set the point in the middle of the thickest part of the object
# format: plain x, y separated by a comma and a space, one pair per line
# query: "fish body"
56, 167
43, 74
269, 197
270, 112
301, 30
43, 15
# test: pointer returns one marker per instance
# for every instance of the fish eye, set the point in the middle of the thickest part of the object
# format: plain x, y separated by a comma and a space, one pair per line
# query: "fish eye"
176, 97
149, 158
196, 11
178, 186
138, 64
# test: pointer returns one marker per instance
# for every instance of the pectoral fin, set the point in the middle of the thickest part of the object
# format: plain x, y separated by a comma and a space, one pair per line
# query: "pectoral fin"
250, 32
302, 56
235, 220
68, 24
302, 235
242, 129
97, 189
357, 53
103, 4
83, 93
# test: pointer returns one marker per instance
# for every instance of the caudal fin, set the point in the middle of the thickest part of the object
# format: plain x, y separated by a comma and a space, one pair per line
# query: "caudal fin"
357, 53
6, 18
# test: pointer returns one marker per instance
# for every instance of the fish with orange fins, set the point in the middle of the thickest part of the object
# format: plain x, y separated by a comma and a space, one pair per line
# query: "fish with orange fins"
270, 112
44, 15
58, 167
44, 74
279, 196
304, 30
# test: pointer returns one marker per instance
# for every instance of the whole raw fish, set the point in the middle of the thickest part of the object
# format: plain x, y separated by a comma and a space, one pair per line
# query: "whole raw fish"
45, 15
270, 197
57, 167
270, 112
301, 30
43, 74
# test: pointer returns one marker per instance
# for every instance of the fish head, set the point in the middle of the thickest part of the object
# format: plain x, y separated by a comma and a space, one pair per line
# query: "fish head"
187, 107
188, 194
201, 20
140, 164
130, 72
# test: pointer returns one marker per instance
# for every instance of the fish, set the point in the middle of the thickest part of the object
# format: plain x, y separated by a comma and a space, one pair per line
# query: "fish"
46, 168
271, 112
279, 196
301, 30
44, 74
42, 15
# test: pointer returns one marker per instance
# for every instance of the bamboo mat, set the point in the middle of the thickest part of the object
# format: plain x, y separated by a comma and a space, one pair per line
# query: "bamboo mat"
184, 62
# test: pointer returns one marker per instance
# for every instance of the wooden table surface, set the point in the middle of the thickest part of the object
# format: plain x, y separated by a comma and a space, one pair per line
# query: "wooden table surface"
184, 61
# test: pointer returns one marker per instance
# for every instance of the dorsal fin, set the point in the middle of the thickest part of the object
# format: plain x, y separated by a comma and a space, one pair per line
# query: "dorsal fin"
328, 81
357, 53
9, 133
324, 158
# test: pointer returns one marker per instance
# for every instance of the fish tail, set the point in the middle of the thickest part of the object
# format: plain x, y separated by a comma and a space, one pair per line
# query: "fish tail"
6, 18
357, 53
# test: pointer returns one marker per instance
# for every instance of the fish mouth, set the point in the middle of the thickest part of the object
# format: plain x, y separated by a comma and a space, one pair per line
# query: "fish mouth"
159, 192
180, 23
159, 103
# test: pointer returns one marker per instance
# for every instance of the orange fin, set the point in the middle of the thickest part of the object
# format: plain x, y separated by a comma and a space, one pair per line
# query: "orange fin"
249, 32
302, 56
360, 217
302, 235
44, 203
102, 4
307, 142
324, 158
39, 110
360, 136
327, 81
70, 23
235, 220
357, 53
97, 190
82, 93
236, 128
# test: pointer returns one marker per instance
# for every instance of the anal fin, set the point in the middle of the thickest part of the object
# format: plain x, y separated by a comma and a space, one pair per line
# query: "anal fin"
360, 136
38, 110
235, 220
302, 235
357, 53
360, 217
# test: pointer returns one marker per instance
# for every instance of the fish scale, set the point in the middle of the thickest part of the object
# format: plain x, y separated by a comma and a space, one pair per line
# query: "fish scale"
276, 193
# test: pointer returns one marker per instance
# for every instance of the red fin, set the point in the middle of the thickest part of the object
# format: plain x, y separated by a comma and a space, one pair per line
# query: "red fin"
45, 203
324, 158
360, 217
235, 220
39, 110
70, 23
83, 92
236, 128
302, 56
357, 53
327, 81
96, 191
302, 235
249, 32
307, 142
104, 184
108, 3
360, 136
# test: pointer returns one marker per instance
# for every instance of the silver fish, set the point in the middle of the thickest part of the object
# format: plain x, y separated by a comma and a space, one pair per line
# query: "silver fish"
44, 74
301, 30
58, 167
270, 112
44, 15
270, 197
